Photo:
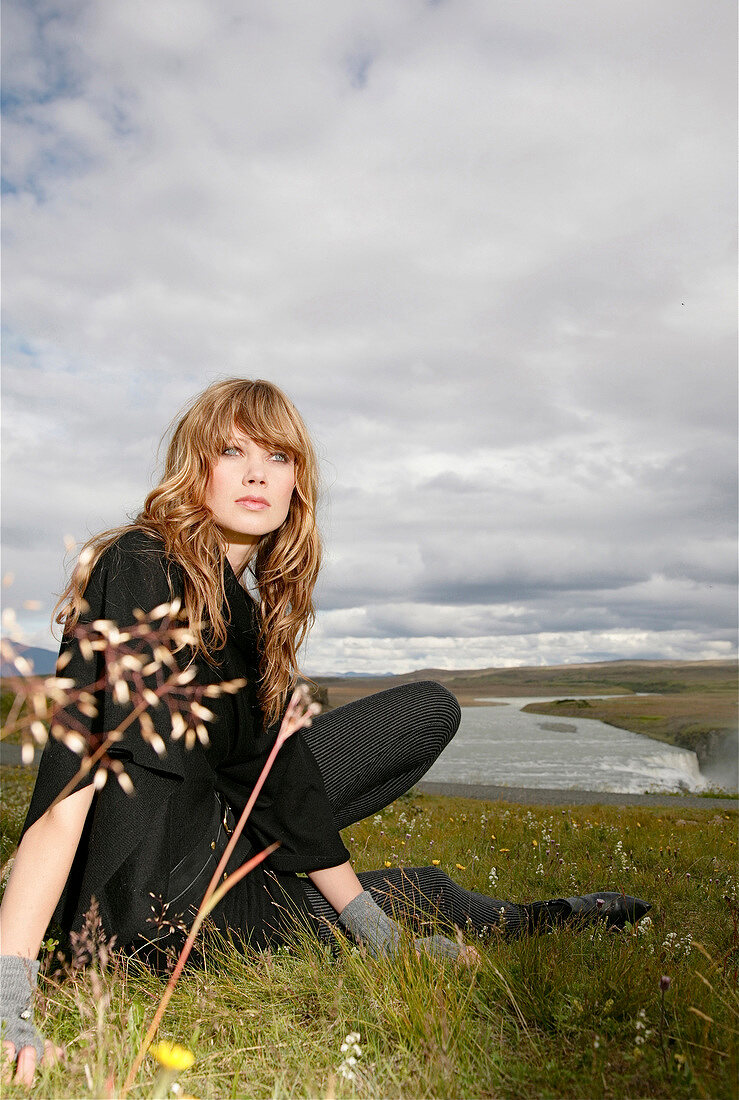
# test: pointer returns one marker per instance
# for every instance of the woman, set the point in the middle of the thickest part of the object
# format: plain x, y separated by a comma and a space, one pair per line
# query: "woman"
236, 507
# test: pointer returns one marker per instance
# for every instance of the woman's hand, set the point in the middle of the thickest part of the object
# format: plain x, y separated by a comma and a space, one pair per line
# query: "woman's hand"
25, 1062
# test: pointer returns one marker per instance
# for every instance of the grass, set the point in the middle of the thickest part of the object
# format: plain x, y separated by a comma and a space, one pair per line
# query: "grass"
571, 1014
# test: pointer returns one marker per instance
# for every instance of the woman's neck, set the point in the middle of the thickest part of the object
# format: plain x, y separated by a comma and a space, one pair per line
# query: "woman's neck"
239, 555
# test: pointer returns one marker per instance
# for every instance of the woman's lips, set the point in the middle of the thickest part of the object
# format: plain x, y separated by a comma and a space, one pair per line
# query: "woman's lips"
254, 504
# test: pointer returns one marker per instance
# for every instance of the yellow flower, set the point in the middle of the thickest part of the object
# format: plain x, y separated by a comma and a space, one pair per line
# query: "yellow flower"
535, 843
388, 863
461, 866
504, 849
172, 1055
436, 862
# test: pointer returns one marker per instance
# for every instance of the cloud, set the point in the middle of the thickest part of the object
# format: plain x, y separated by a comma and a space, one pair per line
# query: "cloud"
487, 248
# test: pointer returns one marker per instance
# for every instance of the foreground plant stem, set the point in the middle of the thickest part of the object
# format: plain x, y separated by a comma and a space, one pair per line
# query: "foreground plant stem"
297, 716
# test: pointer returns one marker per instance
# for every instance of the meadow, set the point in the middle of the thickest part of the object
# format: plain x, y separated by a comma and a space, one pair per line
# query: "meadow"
650, 1012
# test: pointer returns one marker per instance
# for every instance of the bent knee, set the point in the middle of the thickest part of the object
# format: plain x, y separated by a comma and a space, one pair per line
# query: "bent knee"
444, 706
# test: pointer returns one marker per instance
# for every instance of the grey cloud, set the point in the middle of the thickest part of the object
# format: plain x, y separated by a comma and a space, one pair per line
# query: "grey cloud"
485, 248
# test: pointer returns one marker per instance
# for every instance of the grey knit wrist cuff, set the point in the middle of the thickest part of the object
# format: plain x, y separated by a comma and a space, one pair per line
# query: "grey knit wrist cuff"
381, 935
17, 987
367, 923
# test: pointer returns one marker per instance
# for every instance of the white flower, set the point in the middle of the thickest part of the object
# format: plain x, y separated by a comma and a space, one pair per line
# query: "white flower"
351, 1050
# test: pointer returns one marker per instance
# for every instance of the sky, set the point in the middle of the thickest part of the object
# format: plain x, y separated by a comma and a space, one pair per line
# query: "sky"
487, 247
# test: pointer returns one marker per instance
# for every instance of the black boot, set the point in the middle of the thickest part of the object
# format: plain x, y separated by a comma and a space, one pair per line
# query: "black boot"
541, 916
616, 910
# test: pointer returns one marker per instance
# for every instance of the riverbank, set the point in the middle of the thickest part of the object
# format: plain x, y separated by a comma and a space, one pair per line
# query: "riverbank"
547, 796
703, 722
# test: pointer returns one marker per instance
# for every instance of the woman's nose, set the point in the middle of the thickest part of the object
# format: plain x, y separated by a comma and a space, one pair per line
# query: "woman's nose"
253, 476
254, 471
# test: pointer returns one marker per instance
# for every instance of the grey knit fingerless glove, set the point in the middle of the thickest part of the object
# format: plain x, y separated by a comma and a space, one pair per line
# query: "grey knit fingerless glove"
381, 935
17, 987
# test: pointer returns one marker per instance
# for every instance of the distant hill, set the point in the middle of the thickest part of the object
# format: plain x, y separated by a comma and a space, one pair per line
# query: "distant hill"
43, 660
596, 678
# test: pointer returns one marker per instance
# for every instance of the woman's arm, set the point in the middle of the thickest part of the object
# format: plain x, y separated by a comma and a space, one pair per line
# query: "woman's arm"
40, 870
339, 885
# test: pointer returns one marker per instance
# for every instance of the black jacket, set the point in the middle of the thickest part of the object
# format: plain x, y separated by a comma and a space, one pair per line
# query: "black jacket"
130, 842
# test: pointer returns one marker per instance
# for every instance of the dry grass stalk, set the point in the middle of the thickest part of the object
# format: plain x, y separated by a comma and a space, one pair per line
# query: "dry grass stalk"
138, 664
297, 716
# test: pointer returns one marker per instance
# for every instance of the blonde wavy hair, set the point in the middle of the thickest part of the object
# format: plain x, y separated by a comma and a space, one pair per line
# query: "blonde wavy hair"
287, 560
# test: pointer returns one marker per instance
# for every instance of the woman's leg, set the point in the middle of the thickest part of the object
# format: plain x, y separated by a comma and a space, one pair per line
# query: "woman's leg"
423, 895
373, 750
426, 896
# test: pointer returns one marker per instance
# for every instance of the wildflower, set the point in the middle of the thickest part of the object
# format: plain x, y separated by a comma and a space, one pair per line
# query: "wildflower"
388, 863
504, 849
435, 862
678, 945
493, 877
172, 1055
643, 1033
351, 1042
461, 866
351, 1050
664, 983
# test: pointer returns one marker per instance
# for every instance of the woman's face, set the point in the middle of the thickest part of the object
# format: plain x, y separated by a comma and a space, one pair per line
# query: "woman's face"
249, 492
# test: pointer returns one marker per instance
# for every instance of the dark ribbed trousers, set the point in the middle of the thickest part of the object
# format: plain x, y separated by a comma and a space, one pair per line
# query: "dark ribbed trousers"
369, 753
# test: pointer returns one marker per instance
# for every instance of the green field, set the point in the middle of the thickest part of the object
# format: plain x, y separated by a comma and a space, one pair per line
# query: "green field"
569, 1014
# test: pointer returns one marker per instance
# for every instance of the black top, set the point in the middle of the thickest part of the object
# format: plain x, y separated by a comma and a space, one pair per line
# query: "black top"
131, 842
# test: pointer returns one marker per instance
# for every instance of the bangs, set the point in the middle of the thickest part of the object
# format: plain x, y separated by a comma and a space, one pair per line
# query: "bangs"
264, 414
258, 409
269, 436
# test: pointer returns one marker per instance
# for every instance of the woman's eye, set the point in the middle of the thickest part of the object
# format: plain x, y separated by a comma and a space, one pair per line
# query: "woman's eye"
280, 456
232, 450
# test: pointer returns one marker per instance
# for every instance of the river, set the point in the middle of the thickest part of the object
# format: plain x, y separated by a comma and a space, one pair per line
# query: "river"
501, 745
